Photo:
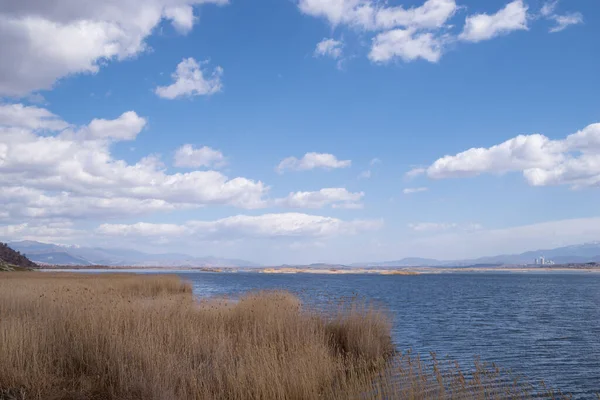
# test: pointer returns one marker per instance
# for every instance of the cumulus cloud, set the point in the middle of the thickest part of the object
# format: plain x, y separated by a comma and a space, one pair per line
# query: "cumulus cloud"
407, 45
574, 160
330, 48
182, 17
291, 225
414, 190
189, 157
44, 41
336, 197
190, 80
311, 161
480, 27
50, 169
126, 127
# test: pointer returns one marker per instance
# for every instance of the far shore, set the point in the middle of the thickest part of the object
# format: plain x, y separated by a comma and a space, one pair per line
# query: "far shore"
342, 270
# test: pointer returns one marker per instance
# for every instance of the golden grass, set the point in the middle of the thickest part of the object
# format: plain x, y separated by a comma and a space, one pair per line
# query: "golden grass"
73, 336
117, 336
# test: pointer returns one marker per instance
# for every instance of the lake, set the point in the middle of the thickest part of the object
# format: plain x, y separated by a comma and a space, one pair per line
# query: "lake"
542, 326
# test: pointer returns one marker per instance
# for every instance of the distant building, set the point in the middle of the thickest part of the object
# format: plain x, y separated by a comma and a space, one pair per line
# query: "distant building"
542, 261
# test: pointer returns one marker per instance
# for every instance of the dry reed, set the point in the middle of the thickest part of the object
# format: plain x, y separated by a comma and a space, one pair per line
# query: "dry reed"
117, 336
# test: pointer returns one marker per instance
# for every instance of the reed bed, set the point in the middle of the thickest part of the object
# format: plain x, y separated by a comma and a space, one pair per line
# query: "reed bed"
118, 336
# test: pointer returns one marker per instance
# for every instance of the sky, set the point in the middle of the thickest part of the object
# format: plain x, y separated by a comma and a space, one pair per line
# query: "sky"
301, 131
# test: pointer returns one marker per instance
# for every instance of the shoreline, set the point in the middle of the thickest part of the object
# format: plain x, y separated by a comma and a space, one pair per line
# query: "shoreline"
404, 271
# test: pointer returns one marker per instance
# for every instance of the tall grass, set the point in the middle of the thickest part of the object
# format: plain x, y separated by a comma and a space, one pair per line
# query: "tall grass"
72, 336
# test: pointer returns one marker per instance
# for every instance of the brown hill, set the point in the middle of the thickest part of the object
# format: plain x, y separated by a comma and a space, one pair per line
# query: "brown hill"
11, 259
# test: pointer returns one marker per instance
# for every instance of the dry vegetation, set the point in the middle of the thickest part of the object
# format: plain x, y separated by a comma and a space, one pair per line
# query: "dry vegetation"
72, 336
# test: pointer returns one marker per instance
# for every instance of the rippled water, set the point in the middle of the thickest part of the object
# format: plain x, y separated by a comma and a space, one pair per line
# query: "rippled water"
541, 326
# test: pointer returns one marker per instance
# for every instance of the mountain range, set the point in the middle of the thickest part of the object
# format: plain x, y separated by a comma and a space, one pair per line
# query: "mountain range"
45, 253
581, 253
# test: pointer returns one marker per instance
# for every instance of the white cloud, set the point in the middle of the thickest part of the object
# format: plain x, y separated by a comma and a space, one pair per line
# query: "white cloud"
405, 33
431, 226
190, 80
44, 41
330, 48
519, 153
189, 157
562, 21
372, 15
245, 226
29, 117
182, 17
143, 229
68, 173
414, 190
336, 197
480, 27
413, 173
548, 8
574, 160
48, 232
437, 227
126, 127
22, 203
405, 44
375, 161
311, 161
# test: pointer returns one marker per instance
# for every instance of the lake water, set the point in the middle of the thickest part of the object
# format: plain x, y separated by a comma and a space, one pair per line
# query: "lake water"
542, 326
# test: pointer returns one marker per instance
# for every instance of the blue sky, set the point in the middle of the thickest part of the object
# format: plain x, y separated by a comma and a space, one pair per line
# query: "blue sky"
161, 127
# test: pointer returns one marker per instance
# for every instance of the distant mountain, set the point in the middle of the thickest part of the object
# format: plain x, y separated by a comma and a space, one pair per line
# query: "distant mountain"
47, 253
582, 253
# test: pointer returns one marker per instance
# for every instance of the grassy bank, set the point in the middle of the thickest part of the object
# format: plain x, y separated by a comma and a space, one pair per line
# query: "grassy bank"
73, 336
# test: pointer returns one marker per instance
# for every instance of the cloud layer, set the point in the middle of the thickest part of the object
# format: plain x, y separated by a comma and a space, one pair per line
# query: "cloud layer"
56, 176
50, 168
244, 226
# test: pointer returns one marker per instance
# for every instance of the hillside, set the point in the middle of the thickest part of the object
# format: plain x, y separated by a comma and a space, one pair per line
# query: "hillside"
11, 260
